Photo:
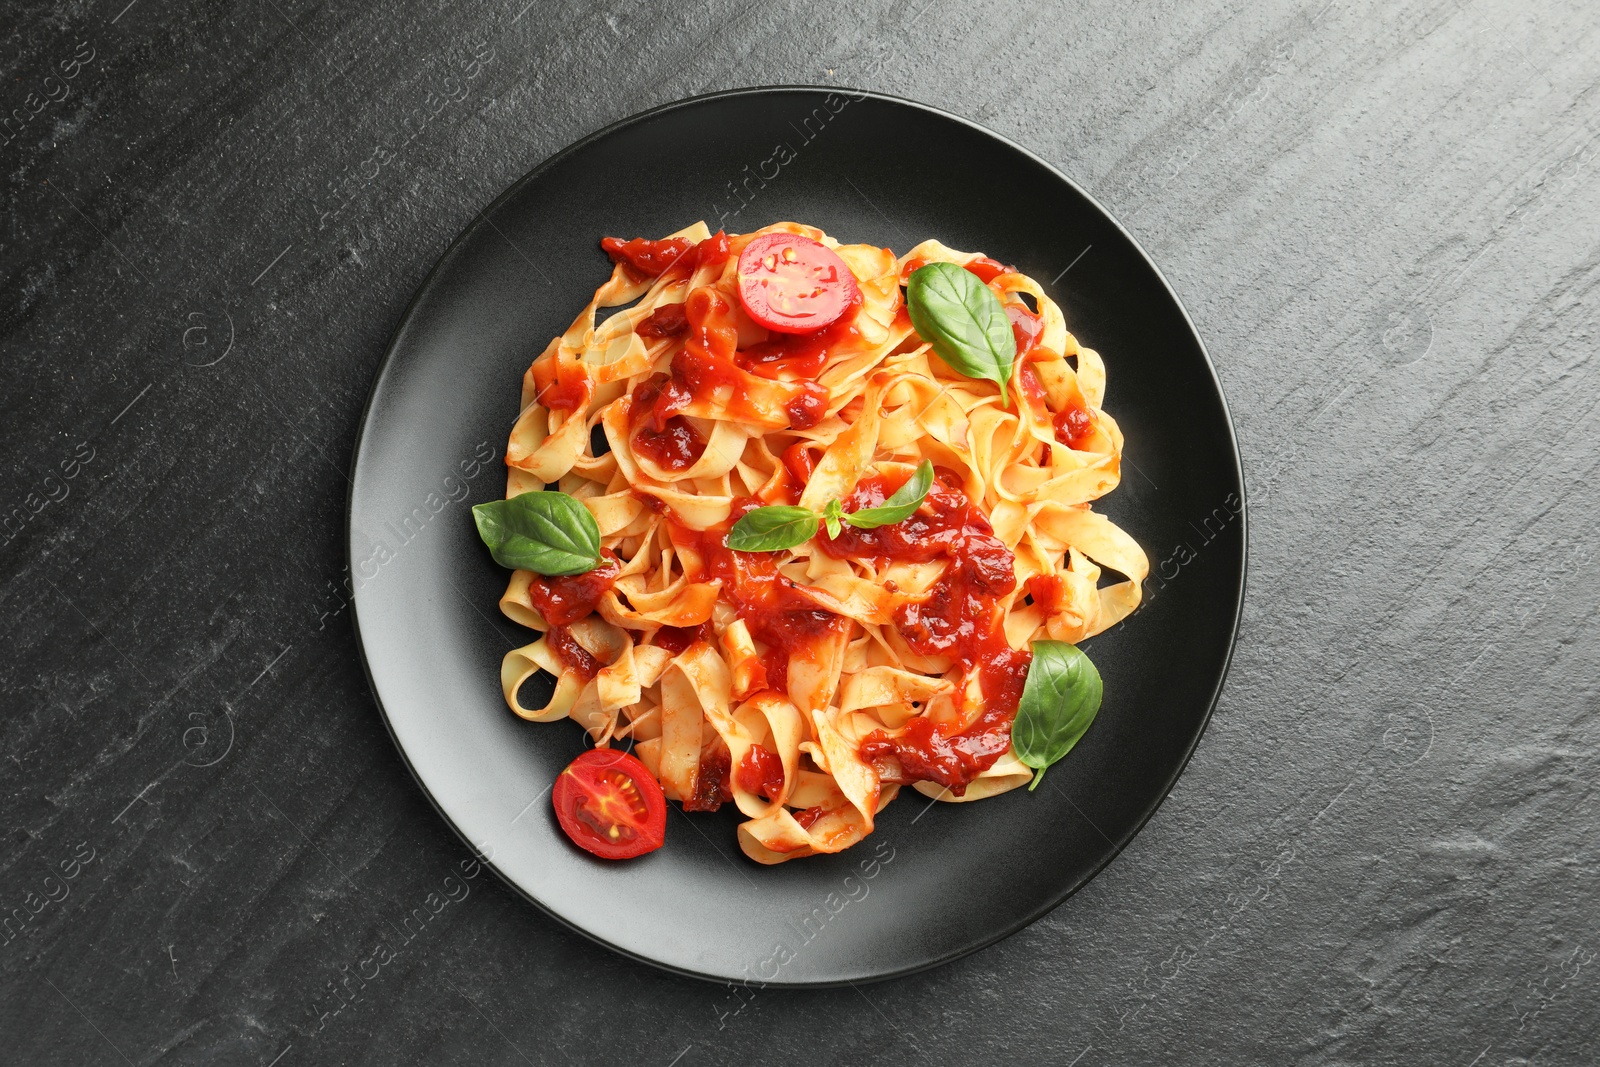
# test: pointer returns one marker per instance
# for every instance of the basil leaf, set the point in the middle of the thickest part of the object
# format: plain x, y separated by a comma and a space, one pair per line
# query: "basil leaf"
548, 533
899, 507
964, 322
831, 514
1059, 700
772, 529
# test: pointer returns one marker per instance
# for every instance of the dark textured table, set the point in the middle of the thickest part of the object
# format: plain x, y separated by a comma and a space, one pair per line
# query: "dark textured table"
1383, 219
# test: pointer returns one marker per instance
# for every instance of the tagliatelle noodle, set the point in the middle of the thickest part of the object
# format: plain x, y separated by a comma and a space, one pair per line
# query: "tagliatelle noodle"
700, 707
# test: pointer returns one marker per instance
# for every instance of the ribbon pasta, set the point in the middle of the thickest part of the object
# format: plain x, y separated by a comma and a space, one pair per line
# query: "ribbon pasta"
798, 684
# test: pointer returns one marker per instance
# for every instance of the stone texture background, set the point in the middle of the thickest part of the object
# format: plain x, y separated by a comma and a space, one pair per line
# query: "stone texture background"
1383, 218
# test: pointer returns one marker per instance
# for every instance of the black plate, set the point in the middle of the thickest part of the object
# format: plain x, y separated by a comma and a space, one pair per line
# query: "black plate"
929, 885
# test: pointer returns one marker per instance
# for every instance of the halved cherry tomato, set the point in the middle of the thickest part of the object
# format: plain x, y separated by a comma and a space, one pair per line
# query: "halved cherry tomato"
792, 284
610, 805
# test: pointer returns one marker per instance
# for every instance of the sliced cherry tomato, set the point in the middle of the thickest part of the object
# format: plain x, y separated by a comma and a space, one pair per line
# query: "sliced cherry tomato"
792, 284
610, 805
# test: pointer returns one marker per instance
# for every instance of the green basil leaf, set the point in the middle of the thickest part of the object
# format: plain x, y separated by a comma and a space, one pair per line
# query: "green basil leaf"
831, 514
548, 533
772, 529
899, 507
1059, 700
964, 322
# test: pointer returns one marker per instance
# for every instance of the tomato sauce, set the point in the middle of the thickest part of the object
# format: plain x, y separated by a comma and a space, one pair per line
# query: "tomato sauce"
1048, 592
676, 639
1026, 327
568, 387
760, 772
711, 252
801, 463
776, 613
988, 269
960, 617
802, 354
807, 409
707, 364
985, 268
642, 258
711, 785
807, 817
660, 435
570, 654
656, 400
781, 489
1074, 425
561, 387
561, 601
668, 320
676, 447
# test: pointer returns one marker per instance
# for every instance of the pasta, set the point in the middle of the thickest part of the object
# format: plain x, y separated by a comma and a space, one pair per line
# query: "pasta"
809, 685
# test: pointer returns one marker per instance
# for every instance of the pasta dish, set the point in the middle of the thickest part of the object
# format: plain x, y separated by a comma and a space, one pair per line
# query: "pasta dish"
825, 511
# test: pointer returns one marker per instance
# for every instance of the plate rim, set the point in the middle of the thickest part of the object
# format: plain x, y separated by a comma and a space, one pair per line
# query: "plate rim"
448, 257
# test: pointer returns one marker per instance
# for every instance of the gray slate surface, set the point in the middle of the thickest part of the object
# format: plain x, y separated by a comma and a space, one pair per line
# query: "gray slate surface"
1383, 218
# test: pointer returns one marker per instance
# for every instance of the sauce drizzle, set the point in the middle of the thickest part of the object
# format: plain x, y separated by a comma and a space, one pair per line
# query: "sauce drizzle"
760, 772
711, 784
572, 655
777, 614
959, 617
562, 601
